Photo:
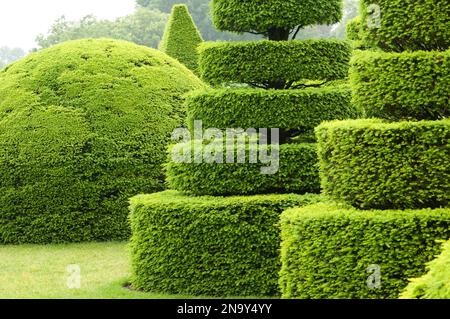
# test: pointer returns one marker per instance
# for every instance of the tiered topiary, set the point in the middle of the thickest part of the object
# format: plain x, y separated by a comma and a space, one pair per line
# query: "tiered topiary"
83, 126
181, 37
398, 164
229, 245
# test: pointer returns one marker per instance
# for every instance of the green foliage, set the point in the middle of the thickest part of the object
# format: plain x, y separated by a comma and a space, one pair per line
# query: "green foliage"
217, 246
181, 38
143, 27
246, 108
263, 62
297, 173
409, 85
372, 164
407, 25
436, 283
83, 126
261, 16
327, 250
354, 29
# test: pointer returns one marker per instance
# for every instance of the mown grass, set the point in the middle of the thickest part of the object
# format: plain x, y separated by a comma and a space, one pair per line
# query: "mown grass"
40, 272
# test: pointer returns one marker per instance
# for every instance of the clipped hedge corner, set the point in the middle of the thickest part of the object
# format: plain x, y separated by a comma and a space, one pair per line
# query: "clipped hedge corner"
333, 251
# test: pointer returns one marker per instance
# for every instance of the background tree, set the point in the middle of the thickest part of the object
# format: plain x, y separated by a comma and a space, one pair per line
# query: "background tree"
143, 27
9, 55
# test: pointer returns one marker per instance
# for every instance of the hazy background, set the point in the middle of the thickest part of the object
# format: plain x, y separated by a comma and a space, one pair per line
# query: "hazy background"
30, 25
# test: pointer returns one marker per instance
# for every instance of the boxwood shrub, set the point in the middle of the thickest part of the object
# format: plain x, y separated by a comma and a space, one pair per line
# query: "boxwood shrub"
181, 37
372, 164
267, 61
333, 251
409, 25
284, 109
298, 173
260, 16
214, 246
410, 85
436, 283
83, 126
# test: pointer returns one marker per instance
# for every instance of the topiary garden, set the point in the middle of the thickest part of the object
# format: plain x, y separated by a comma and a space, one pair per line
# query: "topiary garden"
300, 169
389, 177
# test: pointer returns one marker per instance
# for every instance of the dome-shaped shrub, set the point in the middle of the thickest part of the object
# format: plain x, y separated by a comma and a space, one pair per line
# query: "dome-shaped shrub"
83, 126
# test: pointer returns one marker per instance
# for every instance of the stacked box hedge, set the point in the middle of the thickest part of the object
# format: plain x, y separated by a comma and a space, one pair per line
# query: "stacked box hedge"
410, 25
410, 85
260, 16
267, 61
84, 125
181, 37
330, 251
372, 164
294, 109
214, 246
298, 173
436, 283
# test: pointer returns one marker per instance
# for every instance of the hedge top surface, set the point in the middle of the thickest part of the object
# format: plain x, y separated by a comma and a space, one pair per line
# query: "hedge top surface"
379, 125
262, 15
83, 126
399, 25
172, 198
337, 211
181, 37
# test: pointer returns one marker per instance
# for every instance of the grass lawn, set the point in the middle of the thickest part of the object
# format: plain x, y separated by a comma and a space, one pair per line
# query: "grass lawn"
32, 271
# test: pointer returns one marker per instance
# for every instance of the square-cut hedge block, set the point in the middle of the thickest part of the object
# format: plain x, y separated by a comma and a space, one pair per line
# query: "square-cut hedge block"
335, 251
213, 246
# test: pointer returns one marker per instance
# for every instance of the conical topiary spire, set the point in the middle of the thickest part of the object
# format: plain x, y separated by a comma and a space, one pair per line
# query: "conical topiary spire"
181, 37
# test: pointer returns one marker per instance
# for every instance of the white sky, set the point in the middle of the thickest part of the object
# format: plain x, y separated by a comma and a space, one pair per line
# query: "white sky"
22, 20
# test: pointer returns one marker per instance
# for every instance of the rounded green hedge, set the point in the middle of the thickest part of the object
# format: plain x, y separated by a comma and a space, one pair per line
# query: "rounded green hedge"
284, 109
334, 252
372, 164
407, 25
264, 61
83, 126
298, 173
260, 16
214, 246
409, 85
436, 283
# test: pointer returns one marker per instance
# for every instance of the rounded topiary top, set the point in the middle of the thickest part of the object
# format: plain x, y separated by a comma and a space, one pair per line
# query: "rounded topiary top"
83, 126
263, 15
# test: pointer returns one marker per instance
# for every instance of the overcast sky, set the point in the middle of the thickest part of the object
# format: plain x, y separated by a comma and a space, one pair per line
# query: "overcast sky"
22, 20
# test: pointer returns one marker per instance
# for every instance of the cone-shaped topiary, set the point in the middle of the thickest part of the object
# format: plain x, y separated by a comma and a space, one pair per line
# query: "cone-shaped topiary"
83, 126
181, 37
